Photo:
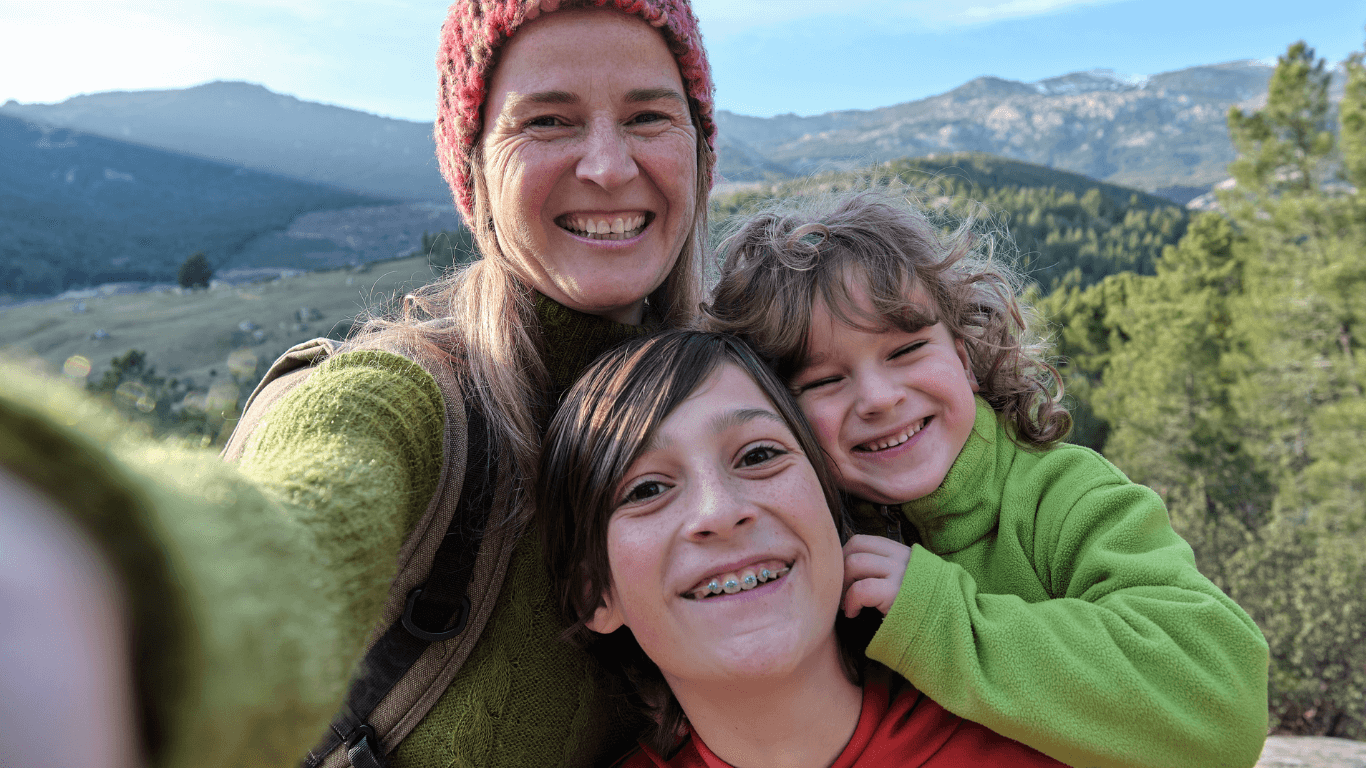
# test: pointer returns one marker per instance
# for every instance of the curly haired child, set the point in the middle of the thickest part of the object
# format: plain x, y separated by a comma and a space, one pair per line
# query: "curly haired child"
1036, 589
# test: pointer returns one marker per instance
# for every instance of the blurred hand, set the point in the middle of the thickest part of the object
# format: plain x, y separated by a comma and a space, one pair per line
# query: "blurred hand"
65, 669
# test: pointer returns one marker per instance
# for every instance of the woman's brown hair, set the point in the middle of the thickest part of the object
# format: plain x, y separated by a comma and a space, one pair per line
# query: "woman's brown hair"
604, 423
781, 261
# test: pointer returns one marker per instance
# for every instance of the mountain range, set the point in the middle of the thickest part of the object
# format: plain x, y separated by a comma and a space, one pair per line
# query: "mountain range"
251, 126
123, 185
1163, 133
1166, 133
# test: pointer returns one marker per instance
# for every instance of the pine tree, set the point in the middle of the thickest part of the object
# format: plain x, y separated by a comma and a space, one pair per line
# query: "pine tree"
1281, 146
1230, 382
1300, 392
195, 271
1352, 119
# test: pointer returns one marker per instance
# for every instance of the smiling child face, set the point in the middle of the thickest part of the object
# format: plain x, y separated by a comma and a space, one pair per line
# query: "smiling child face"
724, 493
892, 409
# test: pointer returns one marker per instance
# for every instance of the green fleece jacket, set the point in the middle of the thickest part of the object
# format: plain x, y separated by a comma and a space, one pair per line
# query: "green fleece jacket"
1051, 601
252, 588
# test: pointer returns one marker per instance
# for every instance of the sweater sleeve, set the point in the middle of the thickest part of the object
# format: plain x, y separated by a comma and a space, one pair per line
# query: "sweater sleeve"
1139, 660
352, 456
249, 589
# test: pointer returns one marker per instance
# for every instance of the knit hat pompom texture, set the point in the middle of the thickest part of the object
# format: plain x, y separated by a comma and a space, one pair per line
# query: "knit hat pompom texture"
476, 29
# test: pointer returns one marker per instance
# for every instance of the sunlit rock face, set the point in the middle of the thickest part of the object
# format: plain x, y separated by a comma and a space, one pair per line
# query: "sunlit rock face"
1151, 132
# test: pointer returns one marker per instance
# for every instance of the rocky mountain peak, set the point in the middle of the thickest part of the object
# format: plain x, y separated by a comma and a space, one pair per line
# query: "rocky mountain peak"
1090, 81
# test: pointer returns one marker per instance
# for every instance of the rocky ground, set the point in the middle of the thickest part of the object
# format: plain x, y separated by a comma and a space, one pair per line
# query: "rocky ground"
348, 237
1312, 752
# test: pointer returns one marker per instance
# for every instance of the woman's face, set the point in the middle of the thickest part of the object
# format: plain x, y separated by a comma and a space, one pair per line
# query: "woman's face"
723, 492
590, 159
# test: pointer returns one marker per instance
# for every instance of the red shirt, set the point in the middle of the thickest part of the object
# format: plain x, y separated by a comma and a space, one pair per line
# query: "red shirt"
909, 732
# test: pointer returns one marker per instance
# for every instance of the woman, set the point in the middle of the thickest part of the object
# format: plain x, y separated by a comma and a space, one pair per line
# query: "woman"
694, 550
576, 141
576, 137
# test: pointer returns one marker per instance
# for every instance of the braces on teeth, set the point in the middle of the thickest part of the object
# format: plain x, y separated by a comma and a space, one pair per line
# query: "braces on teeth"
732, 585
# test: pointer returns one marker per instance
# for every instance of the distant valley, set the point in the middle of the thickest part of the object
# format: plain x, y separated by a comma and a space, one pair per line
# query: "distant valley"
77, 209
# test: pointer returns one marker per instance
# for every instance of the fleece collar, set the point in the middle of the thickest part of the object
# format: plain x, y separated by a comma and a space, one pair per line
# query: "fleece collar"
966, 506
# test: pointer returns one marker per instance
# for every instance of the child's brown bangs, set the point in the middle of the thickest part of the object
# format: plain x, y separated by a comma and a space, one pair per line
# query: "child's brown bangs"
899, 299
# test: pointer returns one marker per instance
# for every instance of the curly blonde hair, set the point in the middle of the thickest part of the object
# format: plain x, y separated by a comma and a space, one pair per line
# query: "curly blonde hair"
779, 262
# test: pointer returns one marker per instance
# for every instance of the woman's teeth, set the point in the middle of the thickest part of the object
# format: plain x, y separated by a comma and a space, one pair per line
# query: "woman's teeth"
605, 228
892, 442
730, 583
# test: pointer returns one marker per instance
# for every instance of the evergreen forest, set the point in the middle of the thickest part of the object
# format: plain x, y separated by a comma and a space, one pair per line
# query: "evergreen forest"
1228, 380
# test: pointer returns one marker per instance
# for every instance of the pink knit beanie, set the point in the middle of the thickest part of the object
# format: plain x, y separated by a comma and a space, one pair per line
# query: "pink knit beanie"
476, 29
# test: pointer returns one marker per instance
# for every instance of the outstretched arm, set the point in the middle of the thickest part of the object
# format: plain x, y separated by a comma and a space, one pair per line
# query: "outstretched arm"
1138, 661
249, 590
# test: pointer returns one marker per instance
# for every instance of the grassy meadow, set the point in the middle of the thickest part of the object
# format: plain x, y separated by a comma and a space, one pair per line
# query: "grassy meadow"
198, 344
189, 334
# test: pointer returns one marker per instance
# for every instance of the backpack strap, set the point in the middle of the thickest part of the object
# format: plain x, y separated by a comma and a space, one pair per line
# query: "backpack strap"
450, 572
436, 611
287, 372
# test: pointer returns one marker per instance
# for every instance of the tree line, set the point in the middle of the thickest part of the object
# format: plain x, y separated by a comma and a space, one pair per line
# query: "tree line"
1057, 228
1230, 380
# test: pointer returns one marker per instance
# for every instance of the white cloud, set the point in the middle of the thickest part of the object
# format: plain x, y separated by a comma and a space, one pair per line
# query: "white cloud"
1014, 9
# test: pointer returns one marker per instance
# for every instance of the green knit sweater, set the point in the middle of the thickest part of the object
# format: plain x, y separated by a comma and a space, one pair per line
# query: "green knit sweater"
524, 697
252, 589
1052, 602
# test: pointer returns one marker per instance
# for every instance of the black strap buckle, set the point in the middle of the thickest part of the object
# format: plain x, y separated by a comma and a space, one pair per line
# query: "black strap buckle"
433, 637
362, 731
362, 748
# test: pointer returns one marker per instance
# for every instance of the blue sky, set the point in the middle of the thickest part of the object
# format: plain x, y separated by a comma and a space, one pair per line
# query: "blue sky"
769, 56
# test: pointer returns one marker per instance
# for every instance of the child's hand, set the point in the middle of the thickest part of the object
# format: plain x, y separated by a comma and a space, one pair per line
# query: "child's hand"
873, 570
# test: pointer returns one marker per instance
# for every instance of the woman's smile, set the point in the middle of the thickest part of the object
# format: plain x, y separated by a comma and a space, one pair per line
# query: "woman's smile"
606, 226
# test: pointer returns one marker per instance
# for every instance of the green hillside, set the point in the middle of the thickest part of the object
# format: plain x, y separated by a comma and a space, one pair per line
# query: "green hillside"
1060, 228
82, 210
984, 171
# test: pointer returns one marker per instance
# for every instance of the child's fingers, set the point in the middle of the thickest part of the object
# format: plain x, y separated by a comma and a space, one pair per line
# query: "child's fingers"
874, 557
873, 570
869, 593
862, 565
877, 545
